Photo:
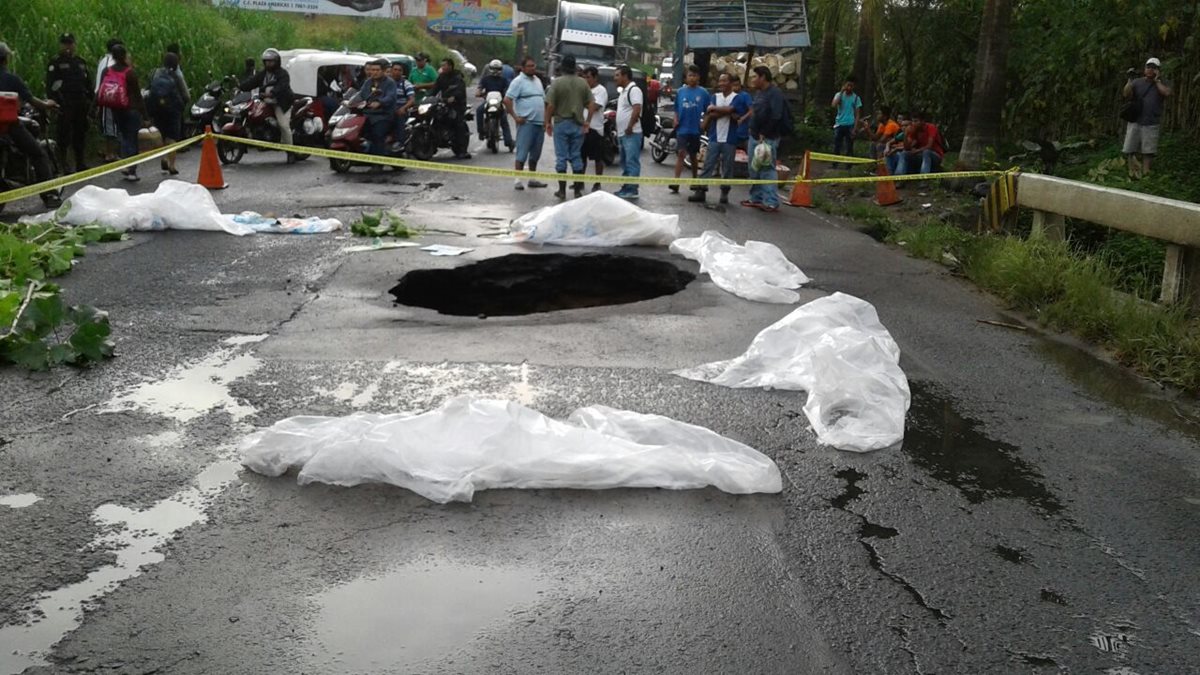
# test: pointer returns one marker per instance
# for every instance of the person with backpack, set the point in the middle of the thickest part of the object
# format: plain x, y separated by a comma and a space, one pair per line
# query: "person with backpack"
769, 119
104, 116
120, 93
168, 99
849, 106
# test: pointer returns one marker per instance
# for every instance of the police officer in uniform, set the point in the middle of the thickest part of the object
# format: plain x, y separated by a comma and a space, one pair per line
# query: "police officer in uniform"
69, 84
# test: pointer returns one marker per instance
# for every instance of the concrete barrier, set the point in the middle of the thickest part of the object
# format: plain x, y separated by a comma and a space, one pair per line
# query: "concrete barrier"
1171, 220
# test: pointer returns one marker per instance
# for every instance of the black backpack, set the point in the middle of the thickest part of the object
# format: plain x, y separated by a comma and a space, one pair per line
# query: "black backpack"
164, 92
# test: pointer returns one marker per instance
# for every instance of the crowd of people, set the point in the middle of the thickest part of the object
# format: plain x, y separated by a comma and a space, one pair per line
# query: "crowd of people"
908, 144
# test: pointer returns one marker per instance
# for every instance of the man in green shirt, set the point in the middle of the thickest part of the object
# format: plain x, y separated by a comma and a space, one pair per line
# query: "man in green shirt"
567, 100
422, 76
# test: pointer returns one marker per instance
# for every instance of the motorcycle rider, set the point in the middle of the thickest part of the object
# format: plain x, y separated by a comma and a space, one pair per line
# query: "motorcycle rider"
492, 81
276, 88
379, 92
69, 84
451, 86
19, 135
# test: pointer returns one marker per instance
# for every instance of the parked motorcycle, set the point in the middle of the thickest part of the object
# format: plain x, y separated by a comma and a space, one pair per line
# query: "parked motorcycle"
204, 111
493, 117
252, 116
348, 133
430, 128
16, 169
611, 148
662, 142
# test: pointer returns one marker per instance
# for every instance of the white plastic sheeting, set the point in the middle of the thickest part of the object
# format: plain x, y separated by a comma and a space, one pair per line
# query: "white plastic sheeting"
756, 271
174, 205
295, 225
471, 444
835, 349
596, 219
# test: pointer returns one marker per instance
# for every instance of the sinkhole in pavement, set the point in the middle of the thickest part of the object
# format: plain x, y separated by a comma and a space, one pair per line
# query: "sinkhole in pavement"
518, 284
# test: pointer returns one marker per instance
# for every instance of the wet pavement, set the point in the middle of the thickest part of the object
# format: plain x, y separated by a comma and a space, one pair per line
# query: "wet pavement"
1040, 515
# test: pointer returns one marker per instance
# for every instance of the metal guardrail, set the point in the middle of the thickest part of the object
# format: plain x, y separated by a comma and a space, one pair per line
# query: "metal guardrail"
1173, 221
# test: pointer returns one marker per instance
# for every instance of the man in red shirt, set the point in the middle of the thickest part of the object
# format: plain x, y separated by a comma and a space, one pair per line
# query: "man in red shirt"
925, 145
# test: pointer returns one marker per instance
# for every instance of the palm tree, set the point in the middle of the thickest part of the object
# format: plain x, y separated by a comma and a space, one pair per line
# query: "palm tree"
830, 12
987, 97
869, 28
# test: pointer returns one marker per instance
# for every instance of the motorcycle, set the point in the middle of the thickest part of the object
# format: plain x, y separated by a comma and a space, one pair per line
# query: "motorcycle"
430, 128
493, 116
16, 169
253, 116
348, 133
612, 145
204, 110
662, 142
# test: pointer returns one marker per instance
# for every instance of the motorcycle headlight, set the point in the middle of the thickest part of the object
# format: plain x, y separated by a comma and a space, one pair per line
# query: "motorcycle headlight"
424, 108
340, 133
309, 127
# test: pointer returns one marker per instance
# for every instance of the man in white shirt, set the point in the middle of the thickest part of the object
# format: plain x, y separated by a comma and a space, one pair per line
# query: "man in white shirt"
629, 129
593, 143
722, 136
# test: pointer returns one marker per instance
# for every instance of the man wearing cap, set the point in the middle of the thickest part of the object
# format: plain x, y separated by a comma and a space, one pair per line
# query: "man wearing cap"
17, 132
423, 76
69, 84
567, 103
1141, 137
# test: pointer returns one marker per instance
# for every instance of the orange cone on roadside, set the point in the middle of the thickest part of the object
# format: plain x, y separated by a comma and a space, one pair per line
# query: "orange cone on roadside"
802, 190
885, 190
210, 166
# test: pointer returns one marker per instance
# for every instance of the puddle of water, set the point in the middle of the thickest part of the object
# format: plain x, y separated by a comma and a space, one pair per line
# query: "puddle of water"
1116, 386
411, 615
192, 390
948, 446
19, 501
136, 539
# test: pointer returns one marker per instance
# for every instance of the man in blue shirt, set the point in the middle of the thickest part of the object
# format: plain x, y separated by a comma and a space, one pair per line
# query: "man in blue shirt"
727, 108
406, 98
20, 136
690, 103
379, 91
849, 106
525, 101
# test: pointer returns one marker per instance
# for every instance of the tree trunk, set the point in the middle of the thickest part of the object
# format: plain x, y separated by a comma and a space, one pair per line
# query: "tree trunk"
864, 59
987, 97
826, 87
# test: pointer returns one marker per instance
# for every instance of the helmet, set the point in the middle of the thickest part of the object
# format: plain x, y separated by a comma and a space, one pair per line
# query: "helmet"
495, 65
271, 54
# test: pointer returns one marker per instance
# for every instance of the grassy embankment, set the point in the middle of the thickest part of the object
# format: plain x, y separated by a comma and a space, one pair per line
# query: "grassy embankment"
213, 40
1100, 284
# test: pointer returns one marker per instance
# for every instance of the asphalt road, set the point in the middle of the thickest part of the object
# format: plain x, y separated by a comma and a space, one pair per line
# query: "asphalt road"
1041, 515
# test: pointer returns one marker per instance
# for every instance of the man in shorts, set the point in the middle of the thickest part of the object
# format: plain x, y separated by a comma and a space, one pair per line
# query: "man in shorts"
1141, 137
690, 103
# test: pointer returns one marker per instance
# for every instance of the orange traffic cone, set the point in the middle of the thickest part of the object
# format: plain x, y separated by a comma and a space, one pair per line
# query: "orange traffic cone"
210, 166
885, 190
802, 190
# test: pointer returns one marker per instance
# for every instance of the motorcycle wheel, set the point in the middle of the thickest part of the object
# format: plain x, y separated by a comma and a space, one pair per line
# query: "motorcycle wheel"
658, 153
229, 152
339, 165
423, 148
299, 156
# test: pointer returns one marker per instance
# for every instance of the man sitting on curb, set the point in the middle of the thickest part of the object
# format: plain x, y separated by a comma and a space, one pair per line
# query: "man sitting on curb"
925, 145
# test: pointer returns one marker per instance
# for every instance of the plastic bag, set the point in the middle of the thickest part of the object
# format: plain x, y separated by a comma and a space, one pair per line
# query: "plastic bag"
835, 349
267, 225
596, 219
757, 271
471, 444
762, 157
174, 205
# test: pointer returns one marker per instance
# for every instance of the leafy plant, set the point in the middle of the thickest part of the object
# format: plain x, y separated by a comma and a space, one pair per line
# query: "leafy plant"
383, 224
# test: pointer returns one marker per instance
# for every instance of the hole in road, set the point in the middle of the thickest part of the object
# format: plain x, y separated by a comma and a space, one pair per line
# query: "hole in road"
518, 284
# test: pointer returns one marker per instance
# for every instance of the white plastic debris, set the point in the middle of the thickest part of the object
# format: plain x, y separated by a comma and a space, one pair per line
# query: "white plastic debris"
268, 225
471, 444
379, 245
835, 349
757, 271
174, 205
445, 249
596, 219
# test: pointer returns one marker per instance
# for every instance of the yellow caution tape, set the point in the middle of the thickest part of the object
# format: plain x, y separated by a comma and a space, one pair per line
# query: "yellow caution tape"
94, 172
824, 157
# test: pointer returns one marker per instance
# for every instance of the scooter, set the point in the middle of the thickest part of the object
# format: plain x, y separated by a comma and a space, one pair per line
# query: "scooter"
348, 133
204, 110
430, 128
493, 115
253, 116
16, 169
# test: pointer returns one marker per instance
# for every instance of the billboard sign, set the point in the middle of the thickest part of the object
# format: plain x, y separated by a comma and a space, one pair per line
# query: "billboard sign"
374, 8
470, 17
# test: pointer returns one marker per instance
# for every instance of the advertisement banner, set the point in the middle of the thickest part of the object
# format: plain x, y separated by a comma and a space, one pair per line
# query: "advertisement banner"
470, 17
385, 9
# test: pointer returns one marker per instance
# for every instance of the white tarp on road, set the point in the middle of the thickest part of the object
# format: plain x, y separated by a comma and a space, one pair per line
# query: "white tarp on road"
835, 349
471, 444
756, 271
596, 219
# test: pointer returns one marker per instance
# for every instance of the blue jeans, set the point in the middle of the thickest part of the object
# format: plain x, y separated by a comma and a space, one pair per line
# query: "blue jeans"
767, 195
568, 145
631, 160
843, 136
128, 122
930, 161
377, 129
723, 153
530, 137
504, 132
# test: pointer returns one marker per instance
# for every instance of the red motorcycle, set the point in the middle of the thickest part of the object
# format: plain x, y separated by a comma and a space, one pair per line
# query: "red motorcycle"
348, 133
252, 116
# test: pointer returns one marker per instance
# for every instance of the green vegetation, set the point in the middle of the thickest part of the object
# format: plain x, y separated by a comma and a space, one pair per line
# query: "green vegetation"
37, 329
383, 224
212, 39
